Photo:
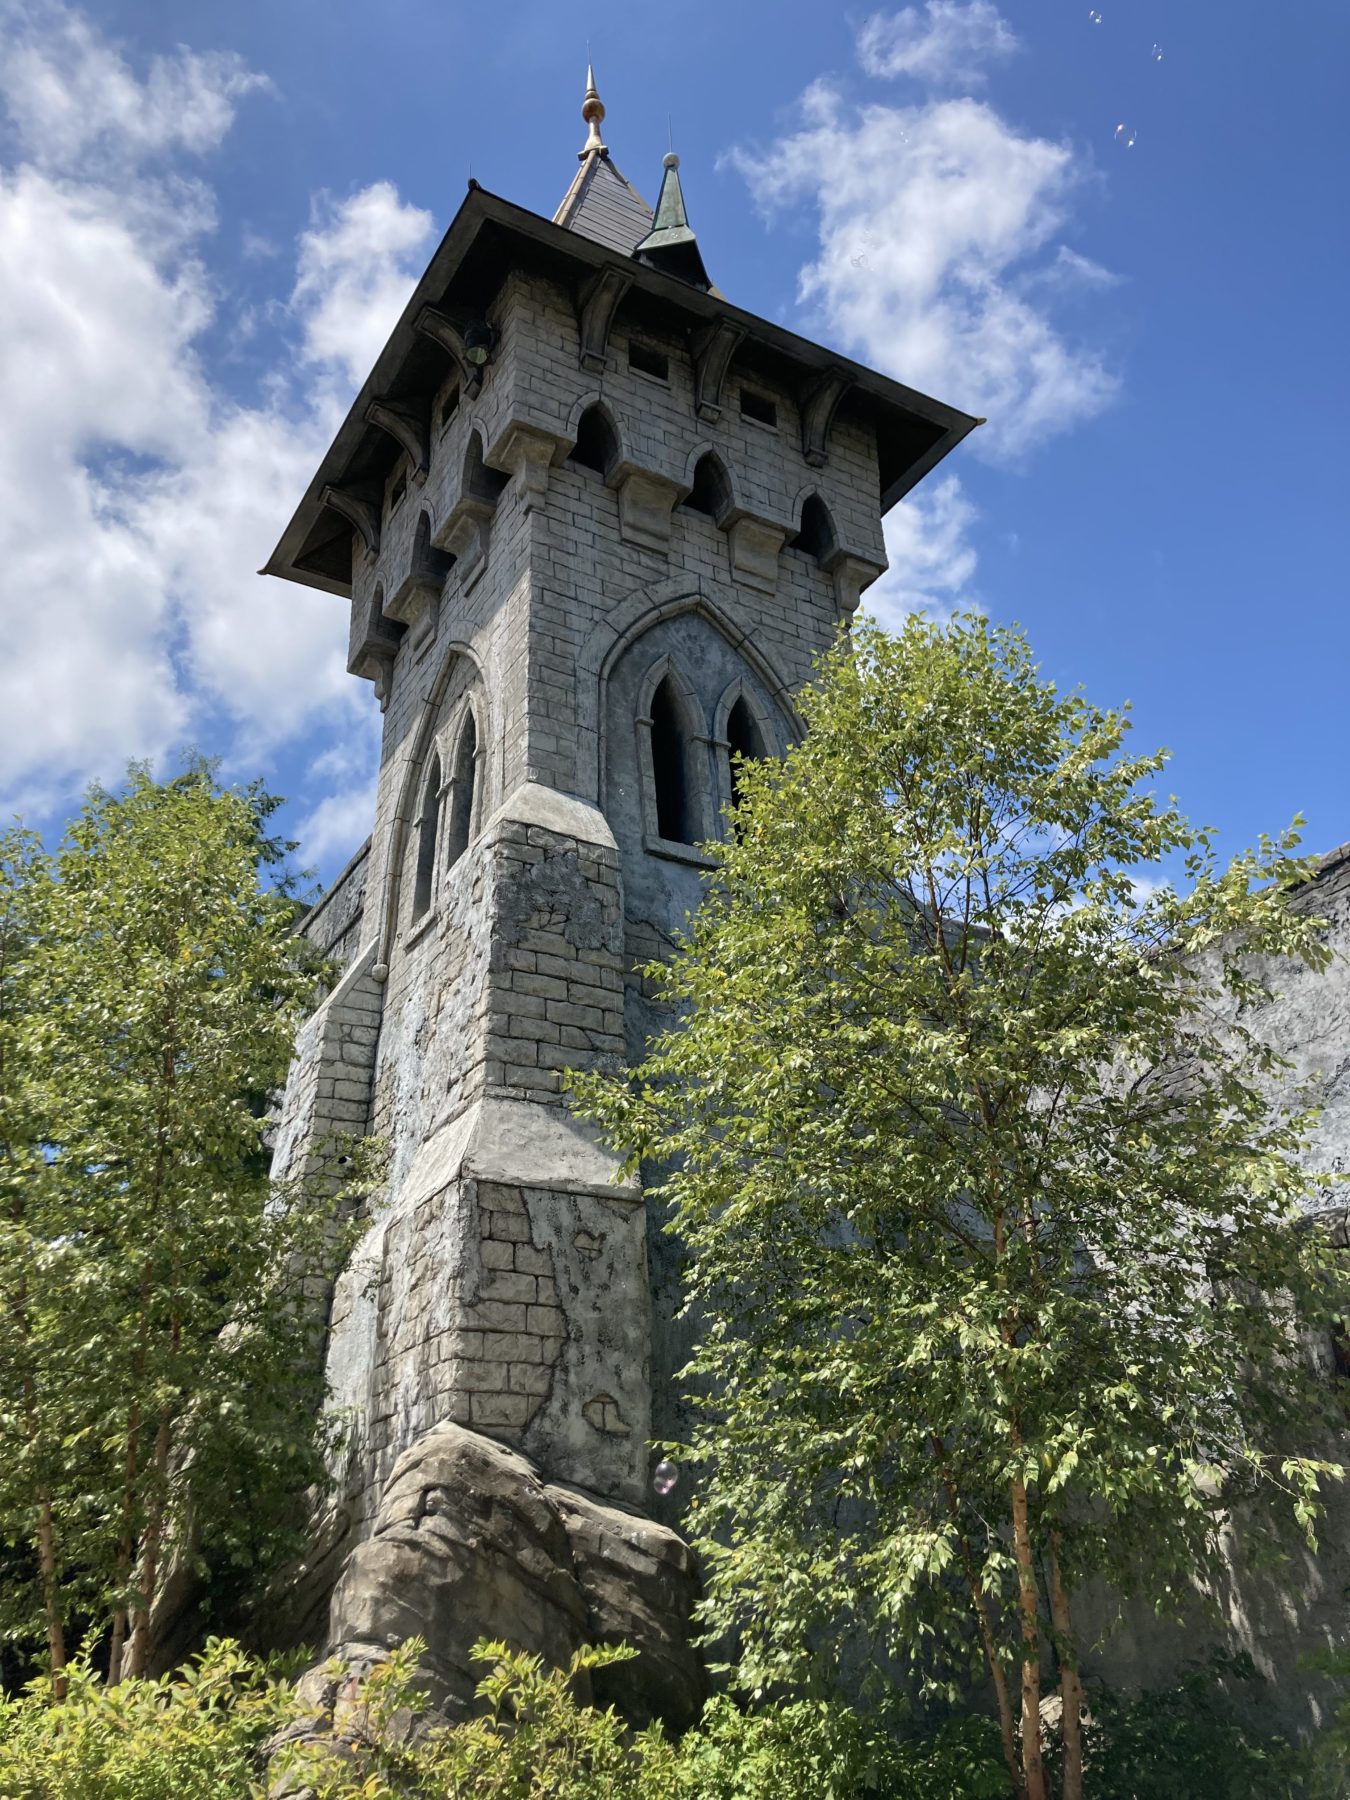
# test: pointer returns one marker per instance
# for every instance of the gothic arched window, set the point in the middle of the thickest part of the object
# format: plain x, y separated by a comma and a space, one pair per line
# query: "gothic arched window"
711, 492
740, 729
744, 739
817, 538
597, 445
673, 761
670, 773
428, 823
462, 792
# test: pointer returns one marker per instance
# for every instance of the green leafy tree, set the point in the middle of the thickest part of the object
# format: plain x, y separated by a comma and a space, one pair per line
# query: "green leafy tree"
157, 1359
986, 1185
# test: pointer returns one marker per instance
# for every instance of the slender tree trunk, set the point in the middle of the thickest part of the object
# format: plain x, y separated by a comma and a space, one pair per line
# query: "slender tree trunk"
1028, 1605
127, 1545
51, 1596
979, 1599
151, 1546
1070, 1682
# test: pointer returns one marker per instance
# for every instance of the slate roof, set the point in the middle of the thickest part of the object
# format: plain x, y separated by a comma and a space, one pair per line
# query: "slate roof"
604, 205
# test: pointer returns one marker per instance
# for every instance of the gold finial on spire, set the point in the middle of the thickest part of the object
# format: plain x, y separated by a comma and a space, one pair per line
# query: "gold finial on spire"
593, 111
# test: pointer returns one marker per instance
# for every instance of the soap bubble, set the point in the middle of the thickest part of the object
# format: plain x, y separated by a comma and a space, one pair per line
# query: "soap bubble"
664, 1477
1125, 136
1094, 18
1157, 53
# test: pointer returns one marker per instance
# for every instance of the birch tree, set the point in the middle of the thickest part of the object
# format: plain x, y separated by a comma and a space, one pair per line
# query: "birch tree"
158, 1393
989, 1191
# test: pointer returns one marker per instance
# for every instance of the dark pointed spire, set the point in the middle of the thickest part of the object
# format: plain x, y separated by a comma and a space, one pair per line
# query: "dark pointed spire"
670, 244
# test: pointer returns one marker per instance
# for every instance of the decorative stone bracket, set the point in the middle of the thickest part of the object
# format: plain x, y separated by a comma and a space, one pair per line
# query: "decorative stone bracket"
851, 575
361, 514
416, 602
712, 357
818, 404
465, 535
528, 452
646, 502
596, 306
443, 331
407, 425
754, 544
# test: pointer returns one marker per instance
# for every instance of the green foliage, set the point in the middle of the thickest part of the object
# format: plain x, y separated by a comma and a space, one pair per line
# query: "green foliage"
203, 1734
1191, 1741
986, 1184
157, 1386
193, 1735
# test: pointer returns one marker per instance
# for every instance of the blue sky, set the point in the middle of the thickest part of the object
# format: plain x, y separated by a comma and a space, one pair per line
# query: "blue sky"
209, 217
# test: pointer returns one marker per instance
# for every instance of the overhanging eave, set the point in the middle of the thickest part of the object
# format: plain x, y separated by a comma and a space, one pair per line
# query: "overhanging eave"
914, 431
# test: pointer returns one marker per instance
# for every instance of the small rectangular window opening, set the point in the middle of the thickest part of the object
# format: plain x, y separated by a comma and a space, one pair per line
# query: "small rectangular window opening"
648, 361
449, 407
756, 406
398, 490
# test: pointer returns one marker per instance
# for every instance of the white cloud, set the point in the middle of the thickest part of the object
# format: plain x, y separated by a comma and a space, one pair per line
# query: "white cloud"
67, 92
947, 43
934, 225
356, 268
932, 560
137, 497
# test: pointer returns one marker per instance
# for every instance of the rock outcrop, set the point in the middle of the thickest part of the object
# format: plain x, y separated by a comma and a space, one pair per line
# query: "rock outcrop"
470, 1542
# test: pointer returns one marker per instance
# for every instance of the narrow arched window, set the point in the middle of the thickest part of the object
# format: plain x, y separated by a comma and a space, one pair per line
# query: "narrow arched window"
427, 822
743, 739
670, 773
597, 445
480, 481
711, 492
816, 538
462, 787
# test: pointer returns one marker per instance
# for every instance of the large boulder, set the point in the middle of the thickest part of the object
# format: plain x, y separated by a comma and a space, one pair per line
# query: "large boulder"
471, 1541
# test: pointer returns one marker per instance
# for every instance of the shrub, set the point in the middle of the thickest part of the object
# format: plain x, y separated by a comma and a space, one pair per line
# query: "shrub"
194, 1735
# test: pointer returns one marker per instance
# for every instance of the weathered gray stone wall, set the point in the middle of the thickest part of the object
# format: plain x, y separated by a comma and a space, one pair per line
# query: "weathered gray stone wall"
334, 924
507, 1283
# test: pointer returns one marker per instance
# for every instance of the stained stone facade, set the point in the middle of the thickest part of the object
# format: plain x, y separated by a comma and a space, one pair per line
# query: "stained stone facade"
593, 524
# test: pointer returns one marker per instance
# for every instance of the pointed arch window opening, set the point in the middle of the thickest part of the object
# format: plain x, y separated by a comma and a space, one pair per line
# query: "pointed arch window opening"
463, 792
597, 445
745, 741
428, 830
741, 731
817, 537
711, 492
674, 757
670, 773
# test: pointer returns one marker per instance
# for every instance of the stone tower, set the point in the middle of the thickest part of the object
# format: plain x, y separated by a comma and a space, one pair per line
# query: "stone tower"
593, 521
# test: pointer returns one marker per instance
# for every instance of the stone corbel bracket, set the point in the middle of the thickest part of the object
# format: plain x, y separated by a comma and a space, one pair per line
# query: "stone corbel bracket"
754, 544
528, 452
361, 514
851, 575
597, 304
443, 331
465, 535
818, 404
646, 503
407, 425
713, 352
416, 601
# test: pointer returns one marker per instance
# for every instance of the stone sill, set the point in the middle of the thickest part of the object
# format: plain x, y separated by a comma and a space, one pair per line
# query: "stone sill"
415, 933
674, 851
